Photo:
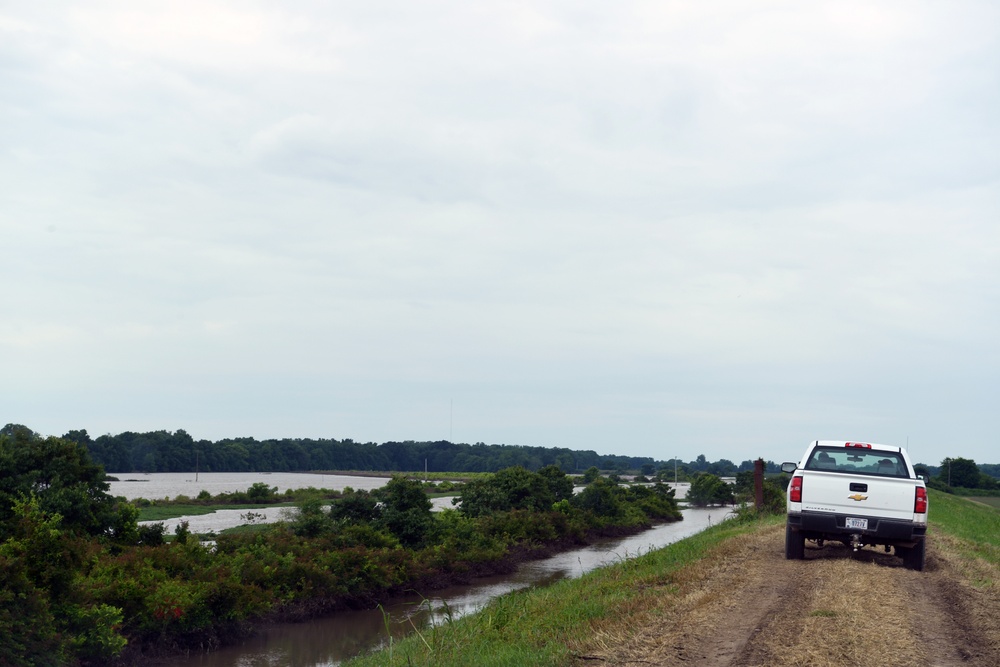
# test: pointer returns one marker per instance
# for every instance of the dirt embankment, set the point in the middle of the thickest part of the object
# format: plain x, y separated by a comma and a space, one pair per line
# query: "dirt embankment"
748, 606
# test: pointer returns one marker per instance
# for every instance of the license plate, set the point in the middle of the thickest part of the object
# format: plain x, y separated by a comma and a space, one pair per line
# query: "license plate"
860, 524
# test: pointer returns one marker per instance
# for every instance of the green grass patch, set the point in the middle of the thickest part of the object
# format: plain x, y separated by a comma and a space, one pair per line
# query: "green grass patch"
987, 500
246, 528
976, 524
537, 626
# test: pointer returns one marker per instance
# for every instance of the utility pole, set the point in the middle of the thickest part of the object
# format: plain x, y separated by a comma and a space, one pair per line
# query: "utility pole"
758, 483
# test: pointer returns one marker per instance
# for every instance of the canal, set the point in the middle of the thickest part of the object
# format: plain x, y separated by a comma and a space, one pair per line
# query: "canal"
328, 641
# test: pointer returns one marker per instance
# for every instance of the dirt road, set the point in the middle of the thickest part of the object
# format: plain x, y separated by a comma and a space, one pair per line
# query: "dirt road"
748, 606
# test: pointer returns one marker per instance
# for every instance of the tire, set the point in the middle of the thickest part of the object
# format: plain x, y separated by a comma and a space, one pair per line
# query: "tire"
795, 544
916, 557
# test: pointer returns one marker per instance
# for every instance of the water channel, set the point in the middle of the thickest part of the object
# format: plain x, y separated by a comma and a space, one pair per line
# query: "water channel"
328, 641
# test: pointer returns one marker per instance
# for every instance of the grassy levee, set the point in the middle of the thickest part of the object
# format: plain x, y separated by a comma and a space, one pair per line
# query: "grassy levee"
973, 527
548, 626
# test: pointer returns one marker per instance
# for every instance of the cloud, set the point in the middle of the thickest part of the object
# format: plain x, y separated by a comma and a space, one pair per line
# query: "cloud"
666, 222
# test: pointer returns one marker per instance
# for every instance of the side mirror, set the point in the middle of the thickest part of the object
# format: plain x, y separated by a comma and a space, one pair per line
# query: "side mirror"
789, 467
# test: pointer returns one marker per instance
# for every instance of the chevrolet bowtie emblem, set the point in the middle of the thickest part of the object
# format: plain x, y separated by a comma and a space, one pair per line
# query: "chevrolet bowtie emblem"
858, 497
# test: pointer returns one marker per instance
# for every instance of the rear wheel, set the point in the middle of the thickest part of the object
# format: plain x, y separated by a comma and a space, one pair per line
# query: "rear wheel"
915, 557
795, 544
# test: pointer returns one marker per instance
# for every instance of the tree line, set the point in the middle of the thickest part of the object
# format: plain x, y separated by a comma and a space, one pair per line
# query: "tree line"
961, 473
177, 451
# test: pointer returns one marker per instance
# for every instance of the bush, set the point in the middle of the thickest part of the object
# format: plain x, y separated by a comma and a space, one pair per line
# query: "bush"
27, 626
259, 492
311, 519
708, 489
599, 499
151, 534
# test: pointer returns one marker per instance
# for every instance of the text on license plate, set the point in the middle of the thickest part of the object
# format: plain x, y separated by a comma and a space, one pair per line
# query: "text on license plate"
860, 524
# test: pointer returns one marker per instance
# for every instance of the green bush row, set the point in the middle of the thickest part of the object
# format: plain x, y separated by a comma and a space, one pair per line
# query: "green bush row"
71, 597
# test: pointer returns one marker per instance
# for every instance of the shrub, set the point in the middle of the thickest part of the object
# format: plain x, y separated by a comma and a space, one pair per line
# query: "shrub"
707, 489
151, 534
259, 492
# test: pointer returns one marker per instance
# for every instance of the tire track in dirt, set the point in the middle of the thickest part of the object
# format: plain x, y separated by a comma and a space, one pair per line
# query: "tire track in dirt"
957, 623
747, 606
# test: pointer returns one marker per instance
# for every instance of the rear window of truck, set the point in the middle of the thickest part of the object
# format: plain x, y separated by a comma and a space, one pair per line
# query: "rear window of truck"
857, 461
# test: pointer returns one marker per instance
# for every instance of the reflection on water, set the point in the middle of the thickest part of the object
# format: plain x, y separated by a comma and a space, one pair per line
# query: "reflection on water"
326, 642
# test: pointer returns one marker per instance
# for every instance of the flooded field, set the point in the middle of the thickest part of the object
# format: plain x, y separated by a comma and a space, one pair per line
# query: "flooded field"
156, 486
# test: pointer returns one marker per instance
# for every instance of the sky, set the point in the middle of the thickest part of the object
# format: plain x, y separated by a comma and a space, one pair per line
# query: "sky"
645, 228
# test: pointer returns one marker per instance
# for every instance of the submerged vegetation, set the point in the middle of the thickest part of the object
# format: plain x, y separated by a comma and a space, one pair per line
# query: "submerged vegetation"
82, 583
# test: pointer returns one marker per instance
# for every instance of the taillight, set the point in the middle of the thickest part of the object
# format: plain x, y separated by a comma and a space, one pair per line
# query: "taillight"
860, 445
795, 490
920, 504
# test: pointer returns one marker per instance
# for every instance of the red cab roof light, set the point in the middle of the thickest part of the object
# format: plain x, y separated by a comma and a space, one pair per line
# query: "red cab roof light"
863, 445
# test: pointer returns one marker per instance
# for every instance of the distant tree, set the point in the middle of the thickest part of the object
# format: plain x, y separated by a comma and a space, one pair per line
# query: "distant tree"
987, 482
312, 519
591, 474
259, 492
359, 507
481, 497
599, 498
991, 469
514, 488
707, 489
722, 467
744, 481
559, 483
406, 511
960, 472
19, 431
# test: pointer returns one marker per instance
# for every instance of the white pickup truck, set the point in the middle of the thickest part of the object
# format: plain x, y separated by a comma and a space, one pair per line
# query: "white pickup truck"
857, 493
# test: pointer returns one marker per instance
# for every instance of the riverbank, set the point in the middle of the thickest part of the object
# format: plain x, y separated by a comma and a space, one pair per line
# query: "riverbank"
224, 634
363, 549
728, 597
332, 639
550, 626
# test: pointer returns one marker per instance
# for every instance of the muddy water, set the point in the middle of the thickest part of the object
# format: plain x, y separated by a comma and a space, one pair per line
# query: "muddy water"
326, 642
161, 485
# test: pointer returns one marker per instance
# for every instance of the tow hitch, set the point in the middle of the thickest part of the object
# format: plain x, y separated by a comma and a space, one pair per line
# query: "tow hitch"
855, 542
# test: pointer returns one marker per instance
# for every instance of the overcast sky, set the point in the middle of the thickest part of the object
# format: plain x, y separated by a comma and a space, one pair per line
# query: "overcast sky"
649, 228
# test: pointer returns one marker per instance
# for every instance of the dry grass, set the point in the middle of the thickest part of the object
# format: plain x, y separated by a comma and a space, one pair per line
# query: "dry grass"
745, 605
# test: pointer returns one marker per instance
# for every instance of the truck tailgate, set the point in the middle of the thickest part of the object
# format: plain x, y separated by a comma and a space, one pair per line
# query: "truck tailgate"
886, 497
